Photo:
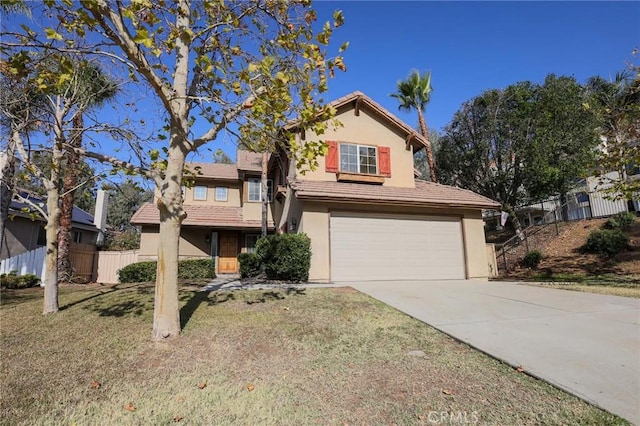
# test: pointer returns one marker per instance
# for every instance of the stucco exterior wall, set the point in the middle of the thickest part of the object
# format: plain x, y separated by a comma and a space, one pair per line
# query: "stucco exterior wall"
233, 194
193, 242
21, 235
367, 129
476, 261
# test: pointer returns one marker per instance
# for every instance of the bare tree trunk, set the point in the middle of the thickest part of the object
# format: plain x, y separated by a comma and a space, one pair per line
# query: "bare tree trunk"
166, 312
7, 184
65, 272
428, 148
53, 217
514, 220
264, 191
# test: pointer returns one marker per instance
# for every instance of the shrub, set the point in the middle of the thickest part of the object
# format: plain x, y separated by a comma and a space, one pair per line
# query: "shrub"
13, 280
138, 272
187, 269
249, 265
620, 221
285, 257
532, 259
196, 269
606, 242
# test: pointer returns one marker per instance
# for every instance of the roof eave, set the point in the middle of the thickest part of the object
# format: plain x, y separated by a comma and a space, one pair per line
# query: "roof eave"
411, 203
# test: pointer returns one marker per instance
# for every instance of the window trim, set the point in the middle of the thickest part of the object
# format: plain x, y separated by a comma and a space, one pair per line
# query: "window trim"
358, 146
195, 190
246, 242
259, 181
226, 193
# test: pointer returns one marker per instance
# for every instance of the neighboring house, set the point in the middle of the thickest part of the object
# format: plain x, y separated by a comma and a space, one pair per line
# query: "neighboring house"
367, 216
25, 228
224, 213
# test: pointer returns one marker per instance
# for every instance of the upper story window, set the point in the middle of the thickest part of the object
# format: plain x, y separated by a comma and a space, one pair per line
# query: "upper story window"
355, 159
200, 193
222, 193
254, 190
358, 159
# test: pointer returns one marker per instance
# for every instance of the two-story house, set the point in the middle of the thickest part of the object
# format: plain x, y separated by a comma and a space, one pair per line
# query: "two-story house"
367, 215
224, 213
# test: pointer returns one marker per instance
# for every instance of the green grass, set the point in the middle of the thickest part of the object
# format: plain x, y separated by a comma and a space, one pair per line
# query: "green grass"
320, 356
611, 284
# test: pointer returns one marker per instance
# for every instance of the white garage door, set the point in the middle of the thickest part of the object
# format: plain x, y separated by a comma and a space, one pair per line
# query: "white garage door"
374, 248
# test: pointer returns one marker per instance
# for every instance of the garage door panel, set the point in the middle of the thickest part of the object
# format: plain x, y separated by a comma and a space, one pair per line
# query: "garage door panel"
398, 248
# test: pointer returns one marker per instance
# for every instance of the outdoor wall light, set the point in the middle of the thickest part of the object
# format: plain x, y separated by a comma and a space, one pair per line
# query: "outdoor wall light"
294, 224
207, 239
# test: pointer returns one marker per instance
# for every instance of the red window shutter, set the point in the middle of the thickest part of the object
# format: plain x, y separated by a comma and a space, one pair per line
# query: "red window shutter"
384, 158
331, 159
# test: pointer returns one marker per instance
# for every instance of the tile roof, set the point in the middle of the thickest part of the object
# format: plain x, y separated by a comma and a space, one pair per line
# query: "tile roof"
249, 161
213, 170
200, 215
424, 193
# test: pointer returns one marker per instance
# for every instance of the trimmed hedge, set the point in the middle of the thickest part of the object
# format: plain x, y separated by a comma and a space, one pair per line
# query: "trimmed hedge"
285, 257
532, 259
606, 242
187, 269
13, 280
249, 265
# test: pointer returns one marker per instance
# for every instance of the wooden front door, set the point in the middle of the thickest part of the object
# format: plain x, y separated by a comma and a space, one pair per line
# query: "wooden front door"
228, 260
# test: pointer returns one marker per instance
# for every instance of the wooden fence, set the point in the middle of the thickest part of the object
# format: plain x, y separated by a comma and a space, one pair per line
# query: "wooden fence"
109, 262
82, 258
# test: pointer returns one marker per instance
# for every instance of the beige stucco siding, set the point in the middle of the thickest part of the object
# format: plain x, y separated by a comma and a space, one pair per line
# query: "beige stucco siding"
233, 194
315, 223
367, 129
477, 263
193, 242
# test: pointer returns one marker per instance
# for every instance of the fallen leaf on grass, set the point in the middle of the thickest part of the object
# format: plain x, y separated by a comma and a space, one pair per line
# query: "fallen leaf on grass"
519, 369
95, 384
446, 391
130, 407
250, 387
202, 385
286, 308
176, 419
180, 399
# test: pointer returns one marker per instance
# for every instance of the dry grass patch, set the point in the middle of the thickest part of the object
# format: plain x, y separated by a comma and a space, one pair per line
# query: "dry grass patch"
316, 356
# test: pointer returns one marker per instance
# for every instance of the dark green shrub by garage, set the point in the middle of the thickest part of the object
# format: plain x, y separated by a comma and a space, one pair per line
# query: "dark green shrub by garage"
286, 257
187, 269
532, 259
606, 242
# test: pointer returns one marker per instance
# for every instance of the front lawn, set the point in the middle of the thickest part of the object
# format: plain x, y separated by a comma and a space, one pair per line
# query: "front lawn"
610, 284
316, 356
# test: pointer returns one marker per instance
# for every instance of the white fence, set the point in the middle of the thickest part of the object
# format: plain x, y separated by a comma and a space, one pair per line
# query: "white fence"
31, 262
109, 262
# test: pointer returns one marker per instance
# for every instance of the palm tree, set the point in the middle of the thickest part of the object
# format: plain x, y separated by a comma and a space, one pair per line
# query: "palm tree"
415, 93
92, 89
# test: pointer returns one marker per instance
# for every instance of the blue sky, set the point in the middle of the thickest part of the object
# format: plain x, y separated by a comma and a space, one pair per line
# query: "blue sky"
470, 47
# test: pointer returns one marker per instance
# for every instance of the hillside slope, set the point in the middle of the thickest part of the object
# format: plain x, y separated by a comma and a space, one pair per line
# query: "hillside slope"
563, 255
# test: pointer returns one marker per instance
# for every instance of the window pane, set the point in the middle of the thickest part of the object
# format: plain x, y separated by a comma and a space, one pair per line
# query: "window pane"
367, 161
221, 193
250, 243
254, 190
200, 193
348, 158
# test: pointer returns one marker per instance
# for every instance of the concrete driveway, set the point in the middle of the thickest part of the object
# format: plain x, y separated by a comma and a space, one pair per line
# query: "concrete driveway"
586, 344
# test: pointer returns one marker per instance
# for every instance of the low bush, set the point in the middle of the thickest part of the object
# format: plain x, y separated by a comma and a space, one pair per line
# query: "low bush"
620, 221
286, 257
13, 280
606, 242
196, 269
187, 269
532, 259
138, 272
249, 265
